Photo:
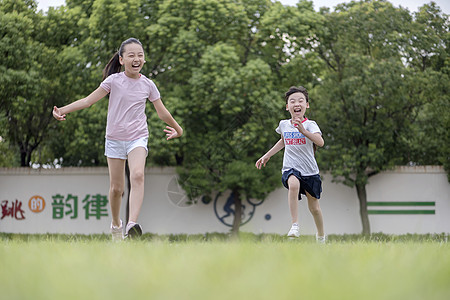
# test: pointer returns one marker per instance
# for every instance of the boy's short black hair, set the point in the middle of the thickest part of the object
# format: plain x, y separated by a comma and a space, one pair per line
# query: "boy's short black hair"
295, 89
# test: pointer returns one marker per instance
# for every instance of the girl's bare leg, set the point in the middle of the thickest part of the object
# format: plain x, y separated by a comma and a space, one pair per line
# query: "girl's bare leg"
136, 162
116, 186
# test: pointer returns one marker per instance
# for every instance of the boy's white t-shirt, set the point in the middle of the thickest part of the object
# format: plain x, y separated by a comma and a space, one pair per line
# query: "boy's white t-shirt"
127, 120
298, 149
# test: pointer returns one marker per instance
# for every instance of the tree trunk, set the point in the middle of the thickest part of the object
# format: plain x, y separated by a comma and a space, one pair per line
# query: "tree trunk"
362, 196
25, 153
23, 159
237, 213
29, 157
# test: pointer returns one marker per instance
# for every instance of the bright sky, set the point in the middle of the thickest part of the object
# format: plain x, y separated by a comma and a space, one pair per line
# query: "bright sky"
412, 5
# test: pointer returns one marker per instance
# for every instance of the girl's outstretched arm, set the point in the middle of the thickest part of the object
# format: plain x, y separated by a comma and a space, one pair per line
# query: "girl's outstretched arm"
60, 113
173, 130
265, 158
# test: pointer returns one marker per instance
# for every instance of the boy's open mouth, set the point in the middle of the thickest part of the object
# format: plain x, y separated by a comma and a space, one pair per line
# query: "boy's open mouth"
297, 110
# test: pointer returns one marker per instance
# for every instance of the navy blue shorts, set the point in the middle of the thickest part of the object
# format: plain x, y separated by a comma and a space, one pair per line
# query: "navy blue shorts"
311, 184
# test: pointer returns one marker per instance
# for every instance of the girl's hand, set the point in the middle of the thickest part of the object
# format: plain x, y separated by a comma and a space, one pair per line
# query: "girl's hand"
57, 114
262, 162
171, 133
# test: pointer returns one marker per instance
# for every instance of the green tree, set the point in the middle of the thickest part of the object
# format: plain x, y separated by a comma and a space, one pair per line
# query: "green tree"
175, 43
232, 115
24, 101
39, 67
369, 96
429, 54
234, 98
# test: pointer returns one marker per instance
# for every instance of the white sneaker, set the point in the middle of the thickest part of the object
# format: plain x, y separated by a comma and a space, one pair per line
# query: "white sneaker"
294, 231
117, 232
321, 239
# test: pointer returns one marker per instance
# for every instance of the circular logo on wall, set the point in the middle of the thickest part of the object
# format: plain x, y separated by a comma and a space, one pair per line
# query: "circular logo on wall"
36, 204
225, 211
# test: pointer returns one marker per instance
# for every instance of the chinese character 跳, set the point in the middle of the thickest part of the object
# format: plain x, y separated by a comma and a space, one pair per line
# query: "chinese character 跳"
14, 211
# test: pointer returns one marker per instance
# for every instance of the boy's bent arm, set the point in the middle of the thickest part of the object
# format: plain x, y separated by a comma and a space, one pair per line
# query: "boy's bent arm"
316, 138
274, 150
265, 158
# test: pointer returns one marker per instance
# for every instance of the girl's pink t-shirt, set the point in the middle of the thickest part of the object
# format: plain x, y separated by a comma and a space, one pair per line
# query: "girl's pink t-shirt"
127, 120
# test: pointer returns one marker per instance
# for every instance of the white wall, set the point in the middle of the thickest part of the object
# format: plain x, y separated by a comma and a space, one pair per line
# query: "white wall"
167, 210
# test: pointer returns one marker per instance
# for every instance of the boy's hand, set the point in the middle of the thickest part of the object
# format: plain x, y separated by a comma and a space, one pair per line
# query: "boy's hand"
57, 114
262, 162
297, 122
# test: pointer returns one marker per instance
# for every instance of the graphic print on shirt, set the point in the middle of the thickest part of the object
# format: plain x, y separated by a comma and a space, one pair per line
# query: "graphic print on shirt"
294, 138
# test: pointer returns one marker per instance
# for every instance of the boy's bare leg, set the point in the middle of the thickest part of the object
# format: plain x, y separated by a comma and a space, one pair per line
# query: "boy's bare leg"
136, 162
116, 186
294, 187
314, 208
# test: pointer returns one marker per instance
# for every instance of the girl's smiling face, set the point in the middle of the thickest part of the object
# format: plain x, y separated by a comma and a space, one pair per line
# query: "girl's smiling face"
297, 105
132, 59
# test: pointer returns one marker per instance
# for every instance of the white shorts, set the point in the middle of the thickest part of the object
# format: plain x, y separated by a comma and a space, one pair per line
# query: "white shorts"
121, 149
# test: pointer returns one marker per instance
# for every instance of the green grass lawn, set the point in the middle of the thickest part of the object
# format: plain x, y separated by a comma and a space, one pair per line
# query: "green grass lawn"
215, 267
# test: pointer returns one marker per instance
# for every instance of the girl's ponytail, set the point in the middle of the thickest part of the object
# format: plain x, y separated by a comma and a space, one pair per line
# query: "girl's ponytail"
114, 65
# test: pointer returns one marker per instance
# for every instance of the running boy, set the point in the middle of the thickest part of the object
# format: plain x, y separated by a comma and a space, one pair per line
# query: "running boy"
300, 173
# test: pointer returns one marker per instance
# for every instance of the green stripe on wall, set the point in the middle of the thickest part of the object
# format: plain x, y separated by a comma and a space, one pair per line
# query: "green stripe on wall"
401, 212
399, 203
